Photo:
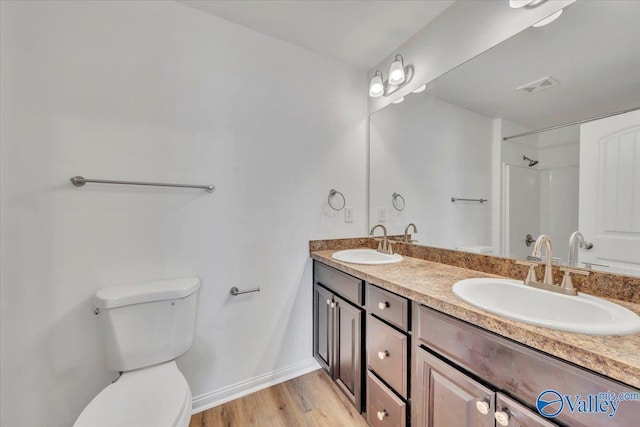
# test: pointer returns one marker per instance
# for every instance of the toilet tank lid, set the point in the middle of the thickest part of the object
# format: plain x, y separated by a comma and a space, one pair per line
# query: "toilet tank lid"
136, 293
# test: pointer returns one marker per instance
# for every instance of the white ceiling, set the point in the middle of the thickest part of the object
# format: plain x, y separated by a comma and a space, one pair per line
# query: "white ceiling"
360, 32
592, 50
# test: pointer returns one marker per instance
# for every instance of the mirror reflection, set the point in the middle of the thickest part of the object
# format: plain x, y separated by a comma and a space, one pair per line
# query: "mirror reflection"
470, 162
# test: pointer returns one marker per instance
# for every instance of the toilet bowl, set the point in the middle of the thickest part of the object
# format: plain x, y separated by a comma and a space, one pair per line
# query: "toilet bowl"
158, 396
145, 326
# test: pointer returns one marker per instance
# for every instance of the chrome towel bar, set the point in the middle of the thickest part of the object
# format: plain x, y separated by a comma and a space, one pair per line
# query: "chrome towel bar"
235, 291
80, 181
455, 199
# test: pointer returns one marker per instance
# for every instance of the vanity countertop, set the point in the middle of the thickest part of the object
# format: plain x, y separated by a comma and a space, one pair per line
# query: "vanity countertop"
430, 283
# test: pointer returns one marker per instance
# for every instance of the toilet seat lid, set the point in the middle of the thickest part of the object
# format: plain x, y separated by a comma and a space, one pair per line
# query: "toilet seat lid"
157, 396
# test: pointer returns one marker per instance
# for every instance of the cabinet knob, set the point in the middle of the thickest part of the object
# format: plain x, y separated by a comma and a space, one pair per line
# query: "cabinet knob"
328, 301
383, 354
483, 406
382, 414
502, 417
383, 305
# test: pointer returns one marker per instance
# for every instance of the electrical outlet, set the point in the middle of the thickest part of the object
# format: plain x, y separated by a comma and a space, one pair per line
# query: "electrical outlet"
382, 213
348, 214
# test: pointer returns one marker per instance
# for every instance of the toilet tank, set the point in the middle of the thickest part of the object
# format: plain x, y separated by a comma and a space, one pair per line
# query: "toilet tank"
147, 323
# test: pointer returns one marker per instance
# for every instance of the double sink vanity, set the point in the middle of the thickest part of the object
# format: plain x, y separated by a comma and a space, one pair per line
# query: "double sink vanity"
415, 342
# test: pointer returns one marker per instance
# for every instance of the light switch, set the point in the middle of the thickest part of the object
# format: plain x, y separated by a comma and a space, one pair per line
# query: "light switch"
382, 213
348, 214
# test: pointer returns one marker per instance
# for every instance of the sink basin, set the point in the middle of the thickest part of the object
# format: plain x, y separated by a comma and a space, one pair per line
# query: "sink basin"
366, 256
514, 300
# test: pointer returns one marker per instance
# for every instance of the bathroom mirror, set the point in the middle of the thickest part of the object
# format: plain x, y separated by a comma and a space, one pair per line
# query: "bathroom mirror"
468, 182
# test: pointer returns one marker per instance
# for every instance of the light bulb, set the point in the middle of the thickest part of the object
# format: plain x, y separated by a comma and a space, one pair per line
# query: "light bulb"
396, 72
420, 89
399, 100
548, 20
376, 88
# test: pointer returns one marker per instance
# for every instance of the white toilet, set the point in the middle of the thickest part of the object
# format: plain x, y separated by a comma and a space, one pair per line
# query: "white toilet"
146, 326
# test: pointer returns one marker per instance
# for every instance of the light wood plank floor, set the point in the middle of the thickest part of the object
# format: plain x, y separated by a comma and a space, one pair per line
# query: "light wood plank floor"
310, 400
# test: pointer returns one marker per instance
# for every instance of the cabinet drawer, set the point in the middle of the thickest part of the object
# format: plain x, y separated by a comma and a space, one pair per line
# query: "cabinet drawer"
341, 283
387, 354
384, 408
388, 306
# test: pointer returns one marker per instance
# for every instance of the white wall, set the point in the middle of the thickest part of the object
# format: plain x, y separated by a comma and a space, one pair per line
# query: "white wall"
160, 91
461, 32
430, 150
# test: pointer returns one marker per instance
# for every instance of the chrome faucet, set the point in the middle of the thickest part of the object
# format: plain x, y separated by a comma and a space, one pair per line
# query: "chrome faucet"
384, 245
548, 267
407, 239
576, 241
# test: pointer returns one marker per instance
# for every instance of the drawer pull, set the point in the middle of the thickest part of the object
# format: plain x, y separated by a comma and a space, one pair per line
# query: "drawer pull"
502, 417
483, 407
383, 305
383, 354
382, 414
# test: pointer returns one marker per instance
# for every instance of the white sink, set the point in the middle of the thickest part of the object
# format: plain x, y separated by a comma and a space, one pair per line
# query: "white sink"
366, 256
514, 300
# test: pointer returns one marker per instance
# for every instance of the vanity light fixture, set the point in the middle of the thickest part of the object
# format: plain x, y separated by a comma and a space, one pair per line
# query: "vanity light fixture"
420, 89
376, 88
398, 101
396, 72
399, 76
548, 20
517, 4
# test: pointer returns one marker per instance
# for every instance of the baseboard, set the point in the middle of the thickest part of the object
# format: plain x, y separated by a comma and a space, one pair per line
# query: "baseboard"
217, 397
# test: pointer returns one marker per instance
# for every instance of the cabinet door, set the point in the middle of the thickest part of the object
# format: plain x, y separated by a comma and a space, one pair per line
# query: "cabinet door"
510, 413
445, 397
323, 327
348, 350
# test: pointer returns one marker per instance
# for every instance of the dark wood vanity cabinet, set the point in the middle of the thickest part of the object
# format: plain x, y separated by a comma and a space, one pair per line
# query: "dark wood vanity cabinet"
467, 376
338, 329
424, 368
445, 396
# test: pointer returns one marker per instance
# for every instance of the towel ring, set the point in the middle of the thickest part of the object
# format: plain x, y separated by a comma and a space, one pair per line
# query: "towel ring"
394, 201
331, 197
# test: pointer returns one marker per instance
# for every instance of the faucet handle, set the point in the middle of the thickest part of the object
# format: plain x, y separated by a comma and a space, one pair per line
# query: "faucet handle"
389, 248
532, 277
567, 283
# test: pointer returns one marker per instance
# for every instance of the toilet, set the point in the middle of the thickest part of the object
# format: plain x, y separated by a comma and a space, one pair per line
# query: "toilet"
145, 327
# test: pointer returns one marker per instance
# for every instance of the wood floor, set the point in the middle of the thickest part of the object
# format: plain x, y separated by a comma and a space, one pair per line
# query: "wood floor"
310, 400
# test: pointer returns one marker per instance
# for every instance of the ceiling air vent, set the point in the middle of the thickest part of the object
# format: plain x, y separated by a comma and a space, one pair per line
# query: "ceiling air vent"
539, 85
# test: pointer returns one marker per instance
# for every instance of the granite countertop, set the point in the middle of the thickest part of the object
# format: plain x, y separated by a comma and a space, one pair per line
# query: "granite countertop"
430, 283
